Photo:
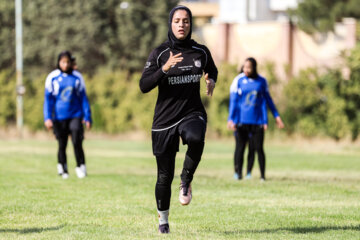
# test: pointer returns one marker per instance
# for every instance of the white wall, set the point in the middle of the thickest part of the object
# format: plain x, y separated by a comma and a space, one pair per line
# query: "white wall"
244, 11
263, 10
283, 5
233, 11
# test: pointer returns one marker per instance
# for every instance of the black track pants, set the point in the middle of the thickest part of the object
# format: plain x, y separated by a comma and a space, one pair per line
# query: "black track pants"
192, 133
254, 135
62, 130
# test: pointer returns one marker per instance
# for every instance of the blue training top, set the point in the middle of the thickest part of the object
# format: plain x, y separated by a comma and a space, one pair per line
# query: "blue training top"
65, 96
248, 100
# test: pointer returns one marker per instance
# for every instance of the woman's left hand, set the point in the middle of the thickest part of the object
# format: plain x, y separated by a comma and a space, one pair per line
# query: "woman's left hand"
210, 85
88, 125
279, 122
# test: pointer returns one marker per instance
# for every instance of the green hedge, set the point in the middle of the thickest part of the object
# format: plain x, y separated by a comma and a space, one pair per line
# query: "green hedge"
116, 101
7, 97
311, 103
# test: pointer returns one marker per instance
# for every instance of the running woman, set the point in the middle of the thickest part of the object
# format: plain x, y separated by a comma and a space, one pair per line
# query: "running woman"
249, 96
66, 107
175, 68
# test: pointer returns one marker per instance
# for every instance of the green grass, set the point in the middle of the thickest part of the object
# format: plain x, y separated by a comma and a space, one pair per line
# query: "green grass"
311, 193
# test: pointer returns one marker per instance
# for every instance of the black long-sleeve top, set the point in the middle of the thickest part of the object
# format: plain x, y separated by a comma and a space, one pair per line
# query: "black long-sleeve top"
179, 88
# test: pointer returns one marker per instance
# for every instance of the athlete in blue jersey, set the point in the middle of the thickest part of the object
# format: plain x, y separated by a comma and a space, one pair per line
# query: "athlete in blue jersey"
249, 98
66, 107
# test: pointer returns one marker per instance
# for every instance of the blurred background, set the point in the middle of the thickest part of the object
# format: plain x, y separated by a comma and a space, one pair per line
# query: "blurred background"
308, 50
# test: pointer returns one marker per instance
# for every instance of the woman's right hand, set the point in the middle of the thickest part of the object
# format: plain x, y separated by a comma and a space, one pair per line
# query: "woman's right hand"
172, 61
48, 124
231, 125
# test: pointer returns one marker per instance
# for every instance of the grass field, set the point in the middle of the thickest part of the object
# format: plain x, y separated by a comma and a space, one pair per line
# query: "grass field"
312, 192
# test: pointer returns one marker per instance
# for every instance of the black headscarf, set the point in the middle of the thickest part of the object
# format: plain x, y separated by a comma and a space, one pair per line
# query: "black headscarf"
65, 54
254, 73
174, 42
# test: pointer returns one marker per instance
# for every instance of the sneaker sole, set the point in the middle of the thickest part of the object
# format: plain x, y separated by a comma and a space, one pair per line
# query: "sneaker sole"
185, 203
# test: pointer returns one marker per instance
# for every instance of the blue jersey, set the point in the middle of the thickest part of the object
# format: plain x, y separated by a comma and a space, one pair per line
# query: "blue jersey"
248, 100
65, 96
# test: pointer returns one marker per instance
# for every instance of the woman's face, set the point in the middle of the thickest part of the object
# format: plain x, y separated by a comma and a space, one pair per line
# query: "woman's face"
180, 24
248, 68
64, 64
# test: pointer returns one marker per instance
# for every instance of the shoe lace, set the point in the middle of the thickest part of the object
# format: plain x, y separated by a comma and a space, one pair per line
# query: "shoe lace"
185, 188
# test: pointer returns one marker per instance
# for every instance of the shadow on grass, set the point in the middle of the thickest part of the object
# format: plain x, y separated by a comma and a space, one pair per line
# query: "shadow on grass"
322, 179
300, 230
31, 230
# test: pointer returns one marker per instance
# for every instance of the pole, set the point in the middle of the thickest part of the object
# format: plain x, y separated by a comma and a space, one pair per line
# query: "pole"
20, 90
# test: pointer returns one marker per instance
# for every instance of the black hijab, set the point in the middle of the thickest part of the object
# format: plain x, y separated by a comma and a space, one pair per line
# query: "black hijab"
254, 73
177, 43
65, 54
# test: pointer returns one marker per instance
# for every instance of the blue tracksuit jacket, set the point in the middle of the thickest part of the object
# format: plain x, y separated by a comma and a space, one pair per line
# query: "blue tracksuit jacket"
248, 100
65, 96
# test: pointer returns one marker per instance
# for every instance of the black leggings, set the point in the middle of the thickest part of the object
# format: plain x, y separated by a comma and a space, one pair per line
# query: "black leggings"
251, 156
62, 130
192, 133
254, 135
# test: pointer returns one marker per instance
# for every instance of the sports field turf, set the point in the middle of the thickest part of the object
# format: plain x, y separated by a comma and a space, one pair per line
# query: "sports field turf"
312, 192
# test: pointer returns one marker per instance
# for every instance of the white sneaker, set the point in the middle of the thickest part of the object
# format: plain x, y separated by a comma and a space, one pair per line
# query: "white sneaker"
62, 172
79, 172
185, 194
83, 168
60, 169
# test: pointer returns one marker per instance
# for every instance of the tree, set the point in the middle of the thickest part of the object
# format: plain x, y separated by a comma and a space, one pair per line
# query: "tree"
320, 15
98, 32
351, 91
7, 34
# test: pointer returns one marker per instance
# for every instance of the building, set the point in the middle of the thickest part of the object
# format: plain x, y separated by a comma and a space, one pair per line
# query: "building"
240, 11
237, 29
246, 11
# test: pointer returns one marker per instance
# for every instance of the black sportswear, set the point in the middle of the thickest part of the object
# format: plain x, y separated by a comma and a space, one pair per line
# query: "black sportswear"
179, 88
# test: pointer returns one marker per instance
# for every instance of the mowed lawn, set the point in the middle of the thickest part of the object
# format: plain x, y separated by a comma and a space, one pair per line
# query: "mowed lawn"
312, 192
